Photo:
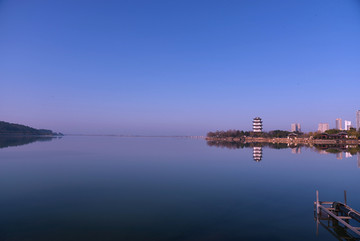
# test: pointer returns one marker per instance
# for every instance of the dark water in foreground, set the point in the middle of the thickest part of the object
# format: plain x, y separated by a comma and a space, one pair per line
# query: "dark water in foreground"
111, 188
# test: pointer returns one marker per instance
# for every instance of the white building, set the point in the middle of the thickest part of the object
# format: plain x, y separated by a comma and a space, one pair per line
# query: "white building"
347, 125
357, 120
295, 127
257, 124
338, 124
323, 127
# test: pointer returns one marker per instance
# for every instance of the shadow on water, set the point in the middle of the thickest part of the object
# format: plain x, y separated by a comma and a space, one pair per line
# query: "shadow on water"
13, 140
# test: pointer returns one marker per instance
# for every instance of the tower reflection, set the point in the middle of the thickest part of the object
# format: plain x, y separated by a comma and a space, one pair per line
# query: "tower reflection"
257, 153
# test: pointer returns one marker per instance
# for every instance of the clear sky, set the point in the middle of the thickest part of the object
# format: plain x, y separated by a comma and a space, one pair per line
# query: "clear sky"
178, 67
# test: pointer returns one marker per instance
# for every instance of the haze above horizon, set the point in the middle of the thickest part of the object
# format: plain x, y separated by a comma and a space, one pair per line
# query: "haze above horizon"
178, 67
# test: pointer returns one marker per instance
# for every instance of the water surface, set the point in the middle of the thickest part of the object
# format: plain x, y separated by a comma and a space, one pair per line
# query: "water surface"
113, 188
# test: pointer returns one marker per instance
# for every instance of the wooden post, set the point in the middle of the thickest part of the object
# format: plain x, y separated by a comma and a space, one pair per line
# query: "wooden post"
345, 197
317, 202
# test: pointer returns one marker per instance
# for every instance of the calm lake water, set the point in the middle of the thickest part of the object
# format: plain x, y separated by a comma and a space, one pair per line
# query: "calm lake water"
114, 188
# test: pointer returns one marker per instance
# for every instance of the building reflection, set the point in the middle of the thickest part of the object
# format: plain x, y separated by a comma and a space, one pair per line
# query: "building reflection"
339, 151
323, 152
339, 156
296, 150
257, 153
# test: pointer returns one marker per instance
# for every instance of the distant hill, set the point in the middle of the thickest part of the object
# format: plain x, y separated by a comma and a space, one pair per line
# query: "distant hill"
7, 128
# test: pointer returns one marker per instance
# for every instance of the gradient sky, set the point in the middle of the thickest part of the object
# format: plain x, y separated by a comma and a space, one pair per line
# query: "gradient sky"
178, 67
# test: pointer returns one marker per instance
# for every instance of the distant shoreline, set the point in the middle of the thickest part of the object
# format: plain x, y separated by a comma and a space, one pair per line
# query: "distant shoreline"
115, 135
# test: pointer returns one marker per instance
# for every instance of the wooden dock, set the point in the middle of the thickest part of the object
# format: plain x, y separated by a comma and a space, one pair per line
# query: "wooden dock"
339, 216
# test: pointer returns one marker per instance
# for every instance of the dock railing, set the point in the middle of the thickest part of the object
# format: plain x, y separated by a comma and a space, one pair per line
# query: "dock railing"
339, 212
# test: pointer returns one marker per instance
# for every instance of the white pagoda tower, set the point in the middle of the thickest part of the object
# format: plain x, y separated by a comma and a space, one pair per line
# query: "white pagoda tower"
257, 124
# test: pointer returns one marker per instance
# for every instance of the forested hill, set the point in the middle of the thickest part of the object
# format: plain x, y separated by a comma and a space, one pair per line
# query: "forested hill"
10, 128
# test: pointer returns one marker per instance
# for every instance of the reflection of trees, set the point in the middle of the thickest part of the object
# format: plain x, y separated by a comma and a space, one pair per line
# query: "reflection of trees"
227, 144
256, 146
321, 148
334, 148
9, 140
240, 145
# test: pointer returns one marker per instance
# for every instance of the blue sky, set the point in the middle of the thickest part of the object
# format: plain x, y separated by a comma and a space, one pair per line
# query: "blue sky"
178, 67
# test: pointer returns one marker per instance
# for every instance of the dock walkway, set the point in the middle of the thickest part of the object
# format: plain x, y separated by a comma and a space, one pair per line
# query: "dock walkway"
341, 214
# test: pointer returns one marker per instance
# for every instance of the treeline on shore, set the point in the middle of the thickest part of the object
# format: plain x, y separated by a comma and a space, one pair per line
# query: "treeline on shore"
7, 128
278, 134
351, 133
240, 134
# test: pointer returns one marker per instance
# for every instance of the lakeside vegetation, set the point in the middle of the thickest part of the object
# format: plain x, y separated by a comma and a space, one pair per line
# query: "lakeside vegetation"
7, 128
241, 134
352, 133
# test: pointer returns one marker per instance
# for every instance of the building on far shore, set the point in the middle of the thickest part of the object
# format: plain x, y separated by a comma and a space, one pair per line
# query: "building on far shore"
323, 127
347, 125
338, 124
357, 120
257, 124
295, 127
